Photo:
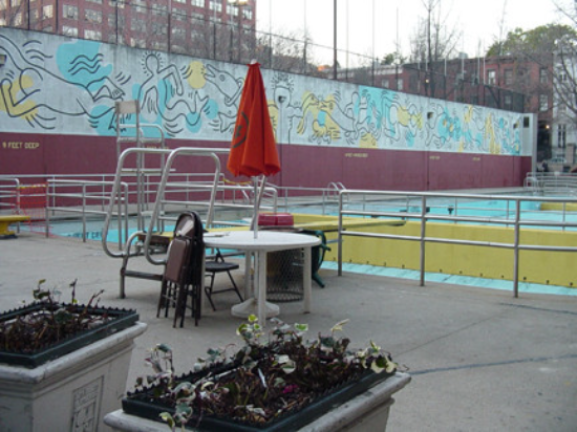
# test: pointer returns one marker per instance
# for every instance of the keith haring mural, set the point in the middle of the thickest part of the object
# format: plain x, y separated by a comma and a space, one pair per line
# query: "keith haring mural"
58, 85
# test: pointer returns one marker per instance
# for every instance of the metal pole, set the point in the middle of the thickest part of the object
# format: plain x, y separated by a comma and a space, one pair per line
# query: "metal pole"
214, 32
169, 23
239, 33
335, 40
374, 60
57, 12
305, 37
423, 233
116, 22
340, 236
270, 32
516, 249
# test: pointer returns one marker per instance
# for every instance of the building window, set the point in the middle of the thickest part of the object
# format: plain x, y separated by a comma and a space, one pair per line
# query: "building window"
561, 135
508, 101
18, 19
179, 32
232, 10
247, 13
400, 84
139, 9
543, 76
159, 28
543, 103
95, 1
70, 31
137, 43
116, 3
92, 34
137, 25
3, 4
14, 3
47, 12
113, 19
385, 83
93, 16
71, 12
491, 77
200, 3
180, 1
508, 77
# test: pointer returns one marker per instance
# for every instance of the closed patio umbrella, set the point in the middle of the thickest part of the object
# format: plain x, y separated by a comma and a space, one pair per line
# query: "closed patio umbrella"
253, 151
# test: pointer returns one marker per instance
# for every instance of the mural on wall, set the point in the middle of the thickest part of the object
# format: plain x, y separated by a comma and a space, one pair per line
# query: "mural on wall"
52, 84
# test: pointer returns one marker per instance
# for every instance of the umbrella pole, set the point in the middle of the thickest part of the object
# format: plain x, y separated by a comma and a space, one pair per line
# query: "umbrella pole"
257, 201
256, 205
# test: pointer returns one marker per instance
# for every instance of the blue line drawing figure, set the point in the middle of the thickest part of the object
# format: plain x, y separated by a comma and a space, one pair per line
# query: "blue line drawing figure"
162, 84
227, 97
26, 85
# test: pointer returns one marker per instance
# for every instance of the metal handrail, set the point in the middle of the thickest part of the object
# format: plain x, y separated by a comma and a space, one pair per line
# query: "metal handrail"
115, 191
4, 202
551, 183
423, 216
183, 151
85, 196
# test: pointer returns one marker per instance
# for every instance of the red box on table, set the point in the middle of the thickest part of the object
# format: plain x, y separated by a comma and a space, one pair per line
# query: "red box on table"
275, 219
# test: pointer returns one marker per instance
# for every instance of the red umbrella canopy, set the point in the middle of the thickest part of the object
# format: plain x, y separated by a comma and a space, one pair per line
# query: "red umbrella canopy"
253, 149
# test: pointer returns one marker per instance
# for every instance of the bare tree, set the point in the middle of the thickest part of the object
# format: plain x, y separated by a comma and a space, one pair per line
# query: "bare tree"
433, 40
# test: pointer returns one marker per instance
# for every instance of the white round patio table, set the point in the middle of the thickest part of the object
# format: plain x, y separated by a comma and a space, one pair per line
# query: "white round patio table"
260, 245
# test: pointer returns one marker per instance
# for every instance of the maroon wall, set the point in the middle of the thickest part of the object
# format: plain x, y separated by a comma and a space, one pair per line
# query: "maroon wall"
302, 166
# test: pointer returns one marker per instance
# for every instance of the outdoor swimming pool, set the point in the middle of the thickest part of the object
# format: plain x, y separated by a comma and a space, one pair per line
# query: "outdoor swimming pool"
483, 210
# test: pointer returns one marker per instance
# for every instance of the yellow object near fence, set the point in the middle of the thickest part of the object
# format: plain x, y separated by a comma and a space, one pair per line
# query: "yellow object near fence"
7, 220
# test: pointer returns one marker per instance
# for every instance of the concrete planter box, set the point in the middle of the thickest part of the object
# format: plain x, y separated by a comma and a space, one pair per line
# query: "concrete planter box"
70, 393
368, 411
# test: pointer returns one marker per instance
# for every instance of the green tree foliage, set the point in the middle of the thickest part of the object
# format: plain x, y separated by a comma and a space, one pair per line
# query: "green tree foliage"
531, 43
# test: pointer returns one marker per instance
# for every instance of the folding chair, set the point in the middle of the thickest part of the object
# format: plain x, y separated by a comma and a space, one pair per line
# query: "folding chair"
182, 277
219, 265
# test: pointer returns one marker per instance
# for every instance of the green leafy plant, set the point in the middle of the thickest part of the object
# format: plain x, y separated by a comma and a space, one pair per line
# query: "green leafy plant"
50, 323
263, 379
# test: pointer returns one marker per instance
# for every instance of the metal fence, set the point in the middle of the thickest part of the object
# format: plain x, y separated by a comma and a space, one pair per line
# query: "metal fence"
422, 215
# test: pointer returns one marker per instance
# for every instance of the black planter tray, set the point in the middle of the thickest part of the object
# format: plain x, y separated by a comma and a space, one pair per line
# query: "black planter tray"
118, 319
290, 421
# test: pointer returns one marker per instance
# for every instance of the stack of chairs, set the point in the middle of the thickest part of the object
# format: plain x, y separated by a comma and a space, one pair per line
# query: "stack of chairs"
182, 279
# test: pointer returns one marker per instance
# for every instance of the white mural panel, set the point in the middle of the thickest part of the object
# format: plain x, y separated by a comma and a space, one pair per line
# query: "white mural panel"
58, 85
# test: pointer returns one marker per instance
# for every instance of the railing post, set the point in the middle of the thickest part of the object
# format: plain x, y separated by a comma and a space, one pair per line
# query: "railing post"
516, 248
46, 210
422, 242
340, 236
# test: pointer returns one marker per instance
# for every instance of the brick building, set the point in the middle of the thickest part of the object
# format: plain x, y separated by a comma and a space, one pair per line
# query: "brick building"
210, 28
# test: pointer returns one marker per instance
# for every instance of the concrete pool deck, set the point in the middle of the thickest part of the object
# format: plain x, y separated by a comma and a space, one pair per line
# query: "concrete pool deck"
480, 360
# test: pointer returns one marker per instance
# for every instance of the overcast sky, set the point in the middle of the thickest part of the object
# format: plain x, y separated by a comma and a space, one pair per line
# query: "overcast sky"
395, 20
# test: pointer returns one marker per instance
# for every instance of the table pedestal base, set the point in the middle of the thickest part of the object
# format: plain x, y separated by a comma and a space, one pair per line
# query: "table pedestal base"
249, 307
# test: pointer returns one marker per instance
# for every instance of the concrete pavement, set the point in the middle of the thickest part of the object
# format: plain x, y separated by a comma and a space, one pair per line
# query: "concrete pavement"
480, 359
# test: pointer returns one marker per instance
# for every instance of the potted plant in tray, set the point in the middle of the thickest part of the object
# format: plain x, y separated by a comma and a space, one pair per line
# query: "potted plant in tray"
284, 384
63, 364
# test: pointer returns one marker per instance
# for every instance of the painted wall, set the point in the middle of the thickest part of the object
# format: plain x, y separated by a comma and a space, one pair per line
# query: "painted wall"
57, 115
554, 268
